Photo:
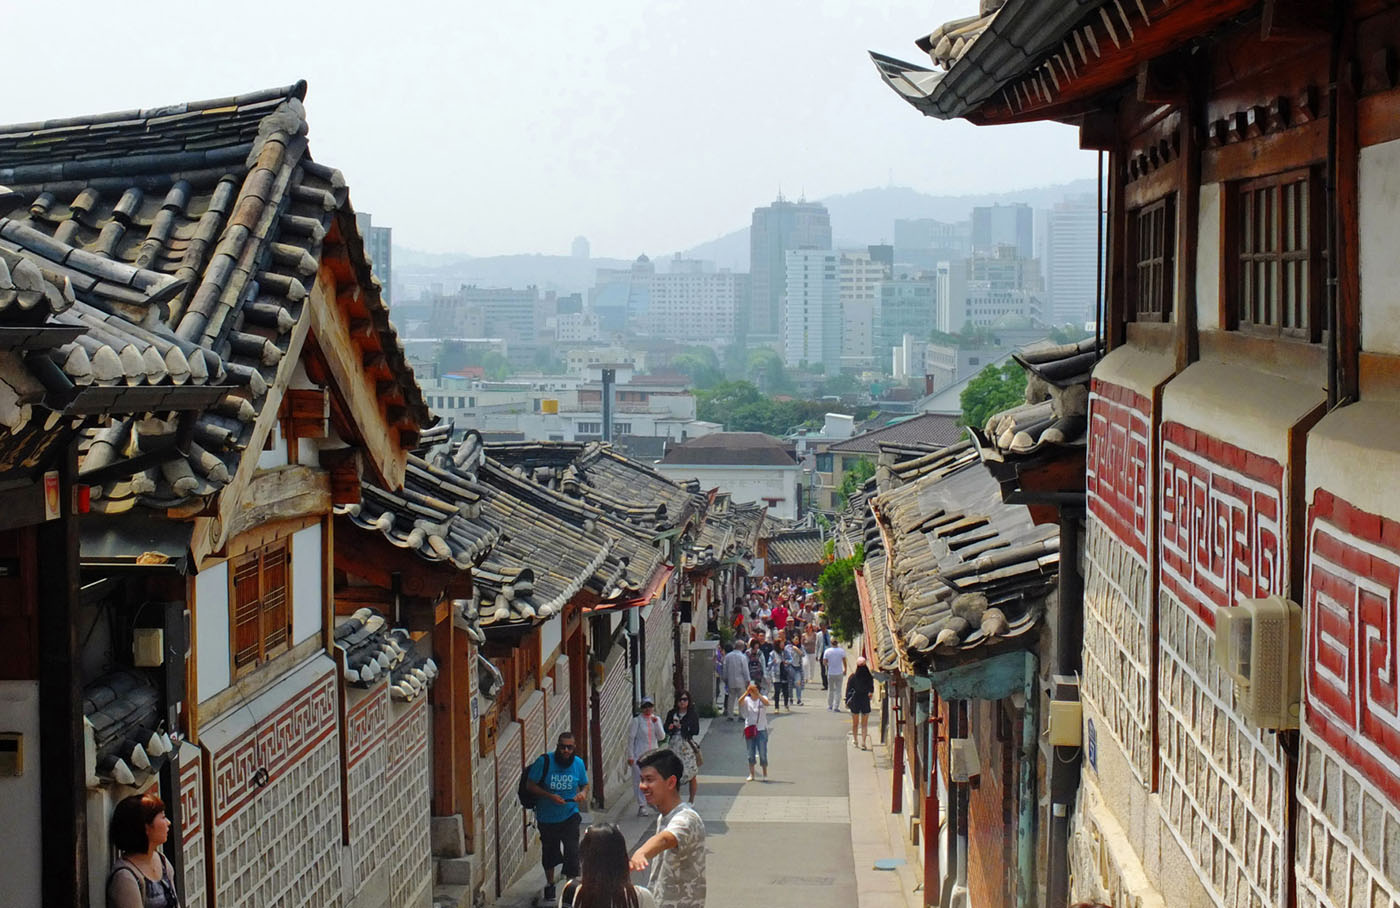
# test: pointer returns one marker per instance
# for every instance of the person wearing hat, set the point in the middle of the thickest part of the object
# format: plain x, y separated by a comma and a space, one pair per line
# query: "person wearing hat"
647, 734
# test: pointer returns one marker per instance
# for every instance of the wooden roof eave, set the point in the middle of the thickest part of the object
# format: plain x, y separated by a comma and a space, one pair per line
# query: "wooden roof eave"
1094, 79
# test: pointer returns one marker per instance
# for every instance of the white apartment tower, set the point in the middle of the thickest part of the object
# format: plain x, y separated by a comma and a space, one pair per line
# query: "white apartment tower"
811, 324
696, 306
1071, 260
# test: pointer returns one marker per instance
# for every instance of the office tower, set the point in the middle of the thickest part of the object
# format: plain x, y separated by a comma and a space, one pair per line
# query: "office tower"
921, 243
811, 314
776, 229
620, 295
989, 288
579, 249
998, 225
1071, 260
907, 305
379, 246
861, 274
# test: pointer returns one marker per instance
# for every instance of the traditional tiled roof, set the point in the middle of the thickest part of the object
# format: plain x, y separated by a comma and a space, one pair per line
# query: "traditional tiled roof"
731, 448
122, 714
795, 547
1057, 407
190, 237
964, 569
375, 651
729, 530
923, 429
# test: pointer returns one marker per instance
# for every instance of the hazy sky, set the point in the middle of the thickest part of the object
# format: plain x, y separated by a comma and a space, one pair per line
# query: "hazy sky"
486, 128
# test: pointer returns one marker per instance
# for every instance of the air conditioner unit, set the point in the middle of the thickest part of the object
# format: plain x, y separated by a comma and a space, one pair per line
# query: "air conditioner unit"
1259, 644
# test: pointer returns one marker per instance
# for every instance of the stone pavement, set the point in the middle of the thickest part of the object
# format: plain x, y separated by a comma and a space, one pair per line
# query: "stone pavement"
806, 838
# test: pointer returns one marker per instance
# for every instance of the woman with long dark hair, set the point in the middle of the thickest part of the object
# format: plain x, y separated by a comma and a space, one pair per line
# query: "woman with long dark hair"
142, 877
683, 727
859, 690
605, 881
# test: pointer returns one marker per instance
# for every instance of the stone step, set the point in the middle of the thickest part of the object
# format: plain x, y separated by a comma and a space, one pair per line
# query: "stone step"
452, 896
454, 871
447, 837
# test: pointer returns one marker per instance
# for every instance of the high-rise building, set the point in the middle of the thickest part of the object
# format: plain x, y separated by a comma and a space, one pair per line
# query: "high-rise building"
908, 305
861, 274
379, 246
620, 295
921, 243
693, 305
1071, 260
775, 230
998, 225
980, 291
579, 249
811, 314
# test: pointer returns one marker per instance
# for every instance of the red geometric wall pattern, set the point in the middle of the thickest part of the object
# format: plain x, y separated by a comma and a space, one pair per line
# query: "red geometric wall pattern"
1222, 514
1353, 574
1118, 468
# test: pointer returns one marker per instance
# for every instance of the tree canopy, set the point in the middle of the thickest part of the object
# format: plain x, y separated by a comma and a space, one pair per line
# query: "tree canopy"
995, 388
837, 588
855, 477
741, 407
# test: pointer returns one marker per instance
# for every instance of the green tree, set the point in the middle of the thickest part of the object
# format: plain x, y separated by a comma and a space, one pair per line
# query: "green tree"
995, 388
837, 588
856, 476
841, 384
496, 367
1069, 333
546, 362
765, 369
700, 365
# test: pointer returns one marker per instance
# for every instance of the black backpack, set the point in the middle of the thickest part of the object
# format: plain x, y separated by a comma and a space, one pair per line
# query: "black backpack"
527, 798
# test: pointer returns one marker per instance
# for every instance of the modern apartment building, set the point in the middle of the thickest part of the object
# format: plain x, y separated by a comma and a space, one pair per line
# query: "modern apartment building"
921, 243
861, 275
811, 323
776, 229
379, 247
996, 225
695, 306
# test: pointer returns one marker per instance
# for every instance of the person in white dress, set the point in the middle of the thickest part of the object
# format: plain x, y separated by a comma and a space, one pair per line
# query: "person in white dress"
647, 734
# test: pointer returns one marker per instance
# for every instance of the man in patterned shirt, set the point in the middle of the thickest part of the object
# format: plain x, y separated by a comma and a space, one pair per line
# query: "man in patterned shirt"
678, 848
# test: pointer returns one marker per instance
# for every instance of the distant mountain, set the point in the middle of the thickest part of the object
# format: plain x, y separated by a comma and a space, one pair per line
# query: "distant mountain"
868, 216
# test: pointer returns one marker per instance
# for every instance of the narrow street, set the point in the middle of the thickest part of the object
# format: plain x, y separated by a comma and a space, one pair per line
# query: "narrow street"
787, 841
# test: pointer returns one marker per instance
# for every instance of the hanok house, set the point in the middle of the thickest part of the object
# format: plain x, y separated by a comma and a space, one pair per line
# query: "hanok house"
954, 593
795, 552
540, 635
1241, 434
60, 373
203, 245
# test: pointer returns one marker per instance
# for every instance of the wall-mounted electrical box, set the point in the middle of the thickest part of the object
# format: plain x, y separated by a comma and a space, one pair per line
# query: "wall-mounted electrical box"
963, 762
147, 647
1064, 723
1259, 644
11, 754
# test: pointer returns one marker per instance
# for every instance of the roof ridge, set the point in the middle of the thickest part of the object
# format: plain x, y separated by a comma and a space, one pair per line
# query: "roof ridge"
283, 93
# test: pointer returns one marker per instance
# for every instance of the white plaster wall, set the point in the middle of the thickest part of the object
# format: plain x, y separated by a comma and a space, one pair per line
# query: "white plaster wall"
551, 636
1208, 258
307, 581
745, 483
20, 808
1378, 216
211, 630
1137, 370
1362, 433
1242, 406
277, 457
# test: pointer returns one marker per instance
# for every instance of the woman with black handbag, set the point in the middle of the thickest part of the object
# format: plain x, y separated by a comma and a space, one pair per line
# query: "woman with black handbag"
683, 727
860, 688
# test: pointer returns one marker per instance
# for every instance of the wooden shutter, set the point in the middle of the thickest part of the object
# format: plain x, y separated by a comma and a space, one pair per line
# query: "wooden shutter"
247, 612
276, 615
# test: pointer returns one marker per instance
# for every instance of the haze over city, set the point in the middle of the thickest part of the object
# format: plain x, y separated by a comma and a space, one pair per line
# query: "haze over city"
491, 128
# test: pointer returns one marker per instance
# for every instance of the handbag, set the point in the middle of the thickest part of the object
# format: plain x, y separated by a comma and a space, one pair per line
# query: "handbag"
751, 731
699, 756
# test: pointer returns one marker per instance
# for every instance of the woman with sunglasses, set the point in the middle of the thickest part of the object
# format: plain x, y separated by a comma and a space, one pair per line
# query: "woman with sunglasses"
683, 727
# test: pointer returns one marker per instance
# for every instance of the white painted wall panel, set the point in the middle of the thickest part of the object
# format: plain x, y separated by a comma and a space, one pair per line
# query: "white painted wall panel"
1378, 215
20, 809
212, 630
307, 581
1208, 259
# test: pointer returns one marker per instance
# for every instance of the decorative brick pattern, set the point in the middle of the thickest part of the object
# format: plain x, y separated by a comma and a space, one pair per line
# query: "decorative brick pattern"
407, 785
300, 865
1117, 664
533, 739
557, 704
1353, 575
1222, 521
1223, 788
192, 825
1348, 835
661, 653
485, 840
1119, 470
510, 817
366, 728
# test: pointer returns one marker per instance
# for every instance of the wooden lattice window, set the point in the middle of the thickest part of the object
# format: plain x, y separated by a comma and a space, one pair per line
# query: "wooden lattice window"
261, 616
1278, 255
1153, 278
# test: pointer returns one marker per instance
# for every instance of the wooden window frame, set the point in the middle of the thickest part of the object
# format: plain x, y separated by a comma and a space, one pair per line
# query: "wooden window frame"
254, 596
1151, 269
1283, 247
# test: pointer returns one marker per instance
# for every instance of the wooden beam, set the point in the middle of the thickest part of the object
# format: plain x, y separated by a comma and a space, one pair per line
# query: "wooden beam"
1294, 20
344, 466
1347, 154
286, 493
1159, 81
352, 386
1188, 211
306, 413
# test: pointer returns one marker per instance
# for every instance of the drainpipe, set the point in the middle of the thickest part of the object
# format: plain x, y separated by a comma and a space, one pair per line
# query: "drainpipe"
1030, 747
1064, 764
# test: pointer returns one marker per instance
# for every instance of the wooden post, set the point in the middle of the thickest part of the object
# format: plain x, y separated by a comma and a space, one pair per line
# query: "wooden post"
63, 782
445, 705
897, 776
930, 824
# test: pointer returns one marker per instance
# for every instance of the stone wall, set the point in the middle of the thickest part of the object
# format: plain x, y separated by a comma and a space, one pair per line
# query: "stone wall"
192, 818
661, 653
366, 750
510, 816
407, 806
615, 713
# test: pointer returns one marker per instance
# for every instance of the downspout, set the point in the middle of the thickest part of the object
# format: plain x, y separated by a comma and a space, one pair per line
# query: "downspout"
1030, 747
1064, 766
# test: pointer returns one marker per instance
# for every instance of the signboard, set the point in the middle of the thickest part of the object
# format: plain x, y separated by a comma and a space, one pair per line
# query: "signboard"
52, 504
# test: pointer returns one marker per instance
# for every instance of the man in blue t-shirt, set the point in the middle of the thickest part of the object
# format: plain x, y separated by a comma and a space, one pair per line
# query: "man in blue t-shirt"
559, 782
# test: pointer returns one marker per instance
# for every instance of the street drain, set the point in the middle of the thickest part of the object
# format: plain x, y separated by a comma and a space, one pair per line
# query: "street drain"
804, 881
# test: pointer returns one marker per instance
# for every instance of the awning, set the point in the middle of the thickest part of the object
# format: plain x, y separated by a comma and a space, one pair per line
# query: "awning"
645, 597
134, 540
